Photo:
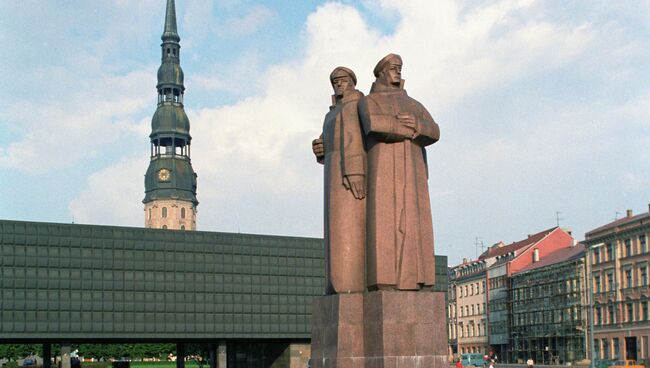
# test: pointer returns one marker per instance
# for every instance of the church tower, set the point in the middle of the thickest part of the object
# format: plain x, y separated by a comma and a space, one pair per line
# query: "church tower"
170, 182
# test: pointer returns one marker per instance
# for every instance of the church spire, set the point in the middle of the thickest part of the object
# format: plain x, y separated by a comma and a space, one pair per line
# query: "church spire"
170, 182
170, 33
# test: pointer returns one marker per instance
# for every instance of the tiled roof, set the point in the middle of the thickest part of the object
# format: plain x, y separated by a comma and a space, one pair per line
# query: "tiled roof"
560, 255
617, 223
495, 251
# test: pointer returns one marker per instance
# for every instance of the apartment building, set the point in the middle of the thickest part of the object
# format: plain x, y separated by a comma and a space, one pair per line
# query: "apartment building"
548, 299
619, 261
510, 259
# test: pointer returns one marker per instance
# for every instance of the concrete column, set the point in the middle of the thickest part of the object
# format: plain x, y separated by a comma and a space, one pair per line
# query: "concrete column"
222, 354
180, 355
212, 355
47, 355
65, 354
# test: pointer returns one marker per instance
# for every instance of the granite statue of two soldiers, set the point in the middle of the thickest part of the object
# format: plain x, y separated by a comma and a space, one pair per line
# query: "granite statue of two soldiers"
378, 227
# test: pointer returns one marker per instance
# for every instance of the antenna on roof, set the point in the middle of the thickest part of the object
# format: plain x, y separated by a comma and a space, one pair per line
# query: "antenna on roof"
616, 215
558, 218
478, 243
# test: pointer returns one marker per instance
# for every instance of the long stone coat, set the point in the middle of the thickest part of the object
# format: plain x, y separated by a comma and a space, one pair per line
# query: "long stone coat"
344, 214
399, 227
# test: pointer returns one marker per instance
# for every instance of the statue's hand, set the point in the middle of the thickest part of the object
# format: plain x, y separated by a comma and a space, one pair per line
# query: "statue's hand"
356, 184
319, 148
408, 124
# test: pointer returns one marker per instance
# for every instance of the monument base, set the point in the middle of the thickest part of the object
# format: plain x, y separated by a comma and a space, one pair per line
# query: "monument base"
379, 329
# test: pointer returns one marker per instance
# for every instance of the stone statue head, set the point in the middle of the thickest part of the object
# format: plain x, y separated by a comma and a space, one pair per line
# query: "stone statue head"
342, 79
389, 70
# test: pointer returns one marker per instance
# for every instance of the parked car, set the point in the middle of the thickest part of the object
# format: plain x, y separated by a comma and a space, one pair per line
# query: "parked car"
629, 363
29, 362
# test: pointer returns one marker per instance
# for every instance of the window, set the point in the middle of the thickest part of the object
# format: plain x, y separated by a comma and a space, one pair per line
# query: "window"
609, 250
628, 247
597, 284
599, 316
182, 227
183, 212
616, 348
483, 287
628, 278
610, 314
605, 349
596, 256
644, 245
164, 212
629, 312
610, 281
643, 273
473, 310
150, 214
644, 311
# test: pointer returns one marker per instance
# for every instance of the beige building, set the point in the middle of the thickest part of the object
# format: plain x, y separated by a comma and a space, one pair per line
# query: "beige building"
620, 261
467, 307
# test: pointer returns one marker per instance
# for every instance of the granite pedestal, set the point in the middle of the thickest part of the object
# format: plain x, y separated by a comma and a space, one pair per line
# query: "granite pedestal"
380, 329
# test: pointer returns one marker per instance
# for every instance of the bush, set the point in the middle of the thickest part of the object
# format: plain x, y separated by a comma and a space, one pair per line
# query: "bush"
11, 364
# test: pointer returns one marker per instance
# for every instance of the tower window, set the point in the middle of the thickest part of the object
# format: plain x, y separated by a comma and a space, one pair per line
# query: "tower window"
164, 212
182, 227
164, 226
183, 212
168, 51
174, 52
150, 214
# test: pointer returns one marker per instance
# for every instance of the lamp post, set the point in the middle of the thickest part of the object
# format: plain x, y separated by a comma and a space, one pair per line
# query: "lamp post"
591, 303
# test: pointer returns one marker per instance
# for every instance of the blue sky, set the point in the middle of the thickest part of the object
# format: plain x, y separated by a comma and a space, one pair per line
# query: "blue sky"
544, 106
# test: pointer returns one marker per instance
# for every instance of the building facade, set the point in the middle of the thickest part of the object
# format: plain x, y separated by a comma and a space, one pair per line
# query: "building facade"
549, 304
470, 322
510, 259
170, 182
619, 260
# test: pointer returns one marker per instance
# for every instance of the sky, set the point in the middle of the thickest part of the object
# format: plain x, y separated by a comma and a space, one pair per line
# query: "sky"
543, 106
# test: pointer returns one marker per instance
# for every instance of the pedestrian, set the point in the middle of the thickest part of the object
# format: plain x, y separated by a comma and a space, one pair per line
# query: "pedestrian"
459, 364
530, 363
491, 363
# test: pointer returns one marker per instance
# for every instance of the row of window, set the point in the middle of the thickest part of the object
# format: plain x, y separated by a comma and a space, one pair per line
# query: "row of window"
548, 316
465, 311
630, 247
557, 288
631, 277
631, 312
474, 349
498, 282
469, 330
471, 289
164, 213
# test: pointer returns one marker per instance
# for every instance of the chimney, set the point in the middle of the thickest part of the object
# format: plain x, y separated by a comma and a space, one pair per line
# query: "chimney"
629, 213
464, 260
535, 255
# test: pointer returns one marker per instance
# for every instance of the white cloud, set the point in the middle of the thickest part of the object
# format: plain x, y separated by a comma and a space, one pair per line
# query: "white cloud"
80, 124
112, 196
253, 158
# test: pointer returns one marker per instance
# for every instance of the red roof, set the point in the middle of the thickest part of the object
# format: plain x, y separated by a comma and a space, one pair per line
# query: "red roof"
495, 251
560, 255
